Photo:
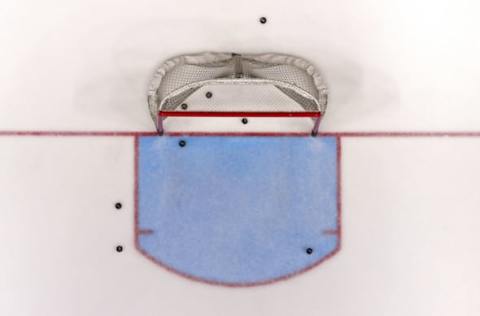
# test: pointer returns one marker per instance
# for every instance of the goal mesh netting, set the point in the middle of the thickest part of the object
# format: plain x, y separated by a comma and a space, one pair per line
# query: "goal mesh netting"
226, 83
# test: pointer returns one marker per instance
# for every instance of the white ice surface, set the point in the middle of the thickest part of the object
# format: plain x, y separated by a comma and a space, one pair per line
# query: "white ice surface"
410, 205
389, 65
410, 236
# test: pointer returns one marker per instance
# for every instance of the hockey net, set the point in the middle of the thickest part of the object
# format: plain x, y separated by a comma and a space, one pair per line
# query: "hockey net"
224, 93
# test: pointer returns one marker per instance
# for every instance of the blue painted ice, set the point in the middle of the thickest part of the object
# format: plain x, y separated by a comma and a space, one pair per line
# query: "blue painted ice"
238, 209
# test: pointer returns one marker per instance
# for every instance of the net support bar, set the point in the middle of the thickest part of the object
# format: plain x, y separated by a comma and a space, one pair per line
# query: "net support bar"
316, 116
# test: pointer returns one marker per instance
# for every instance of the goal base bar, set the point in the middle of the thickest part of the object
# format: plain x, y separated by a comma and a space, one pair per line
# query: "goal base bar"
316, 116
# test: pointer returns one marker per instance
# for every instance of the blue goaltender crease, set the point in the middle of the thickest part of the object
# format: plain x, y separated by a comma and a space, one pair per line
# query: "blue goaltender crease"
238, 210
